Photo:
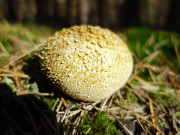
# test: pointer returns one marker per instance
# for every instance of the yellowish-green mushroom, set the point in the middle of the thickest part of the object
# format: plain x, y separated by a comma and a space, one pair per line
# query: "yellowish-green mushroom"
87, 63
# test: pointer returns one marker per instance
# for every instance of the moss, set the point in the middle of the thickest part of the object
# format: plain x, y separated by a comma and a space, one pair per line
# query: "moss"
48, 101
143, 42
10, 83
99, 124
177, 114
131, 97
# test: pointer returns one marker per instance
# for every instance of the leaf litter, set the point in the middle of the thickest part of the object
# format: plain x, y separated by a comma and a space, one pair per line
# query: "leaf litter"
150, 100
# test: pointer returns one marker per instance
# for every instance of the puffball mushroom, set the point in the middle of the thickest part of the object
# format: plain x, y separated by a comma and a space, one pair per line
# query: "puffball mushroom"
87, 63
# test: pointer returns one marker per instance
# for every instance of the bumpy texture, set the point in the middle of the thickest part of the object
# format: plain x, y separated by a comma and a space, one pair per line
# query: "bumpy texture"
87, 63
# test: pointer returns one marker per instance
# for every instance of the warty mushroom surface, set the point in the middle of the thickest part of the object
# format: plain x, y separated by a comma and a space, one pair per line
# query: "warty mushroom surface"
88, 63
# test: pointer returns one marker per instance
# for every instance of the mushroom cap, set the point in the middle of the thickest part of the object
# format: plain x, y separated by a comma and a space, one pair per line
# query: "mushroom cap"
87, 63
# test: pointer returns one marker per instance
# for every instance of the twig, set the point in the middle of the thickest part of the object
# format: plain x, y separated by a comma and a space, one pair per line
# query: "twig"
141, 124
106, 100
15, 75
64, 102
138, 115
59, 105
125, 128
148, 66
75, 112
99, 109
152, 112
26, 92
18, 84
174, 123
71, 113
176, 120
151, 57
54, 105
8, 71
87, 131
77, 121
144, 95
170, 64
3, 49
65, 115
28, 52
90, 107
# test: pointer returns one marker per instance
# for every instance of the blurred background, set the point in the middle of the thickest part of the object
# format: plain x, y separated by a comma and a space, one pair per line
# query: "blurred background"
28, 101
114, 14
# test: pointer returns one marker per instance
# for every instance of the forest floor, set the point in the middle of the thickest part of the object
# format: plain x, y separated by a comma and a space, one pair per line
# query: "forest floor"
148, 104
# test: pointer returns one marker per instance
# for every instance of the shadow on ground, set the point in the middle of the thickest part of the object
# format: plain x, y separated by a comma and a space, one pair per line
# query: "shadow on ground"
27, 114
24, 115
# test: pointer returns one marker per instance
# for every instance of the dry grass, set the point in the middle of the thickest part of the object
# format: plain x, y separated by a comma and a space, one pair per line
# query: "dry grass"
30, 105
